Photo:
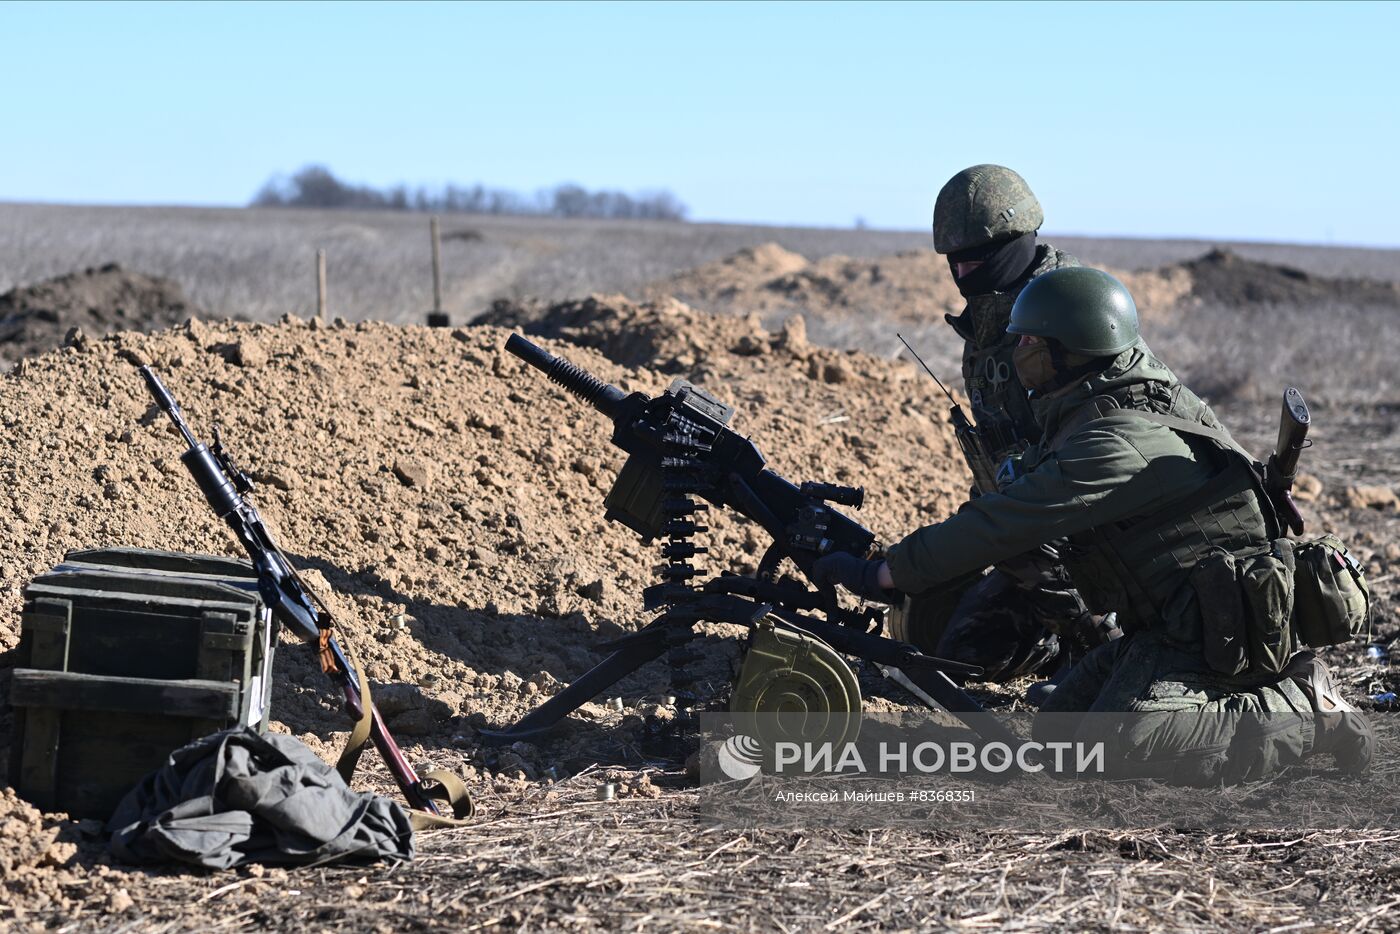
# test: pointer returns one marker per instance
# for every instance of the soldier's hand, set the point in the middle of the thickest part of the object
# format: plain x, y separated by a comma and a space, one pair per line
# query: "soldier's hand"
861, 577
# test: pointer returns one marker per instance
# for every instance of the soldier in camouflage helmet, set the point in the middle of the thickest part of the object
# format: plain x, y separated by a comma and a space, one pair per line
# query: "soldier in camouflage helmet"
1024, 615
1166, 521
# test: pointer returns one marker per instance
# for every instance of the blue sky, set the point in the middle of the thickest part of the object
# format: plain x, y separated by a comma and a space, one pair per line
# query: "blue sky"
1229, 121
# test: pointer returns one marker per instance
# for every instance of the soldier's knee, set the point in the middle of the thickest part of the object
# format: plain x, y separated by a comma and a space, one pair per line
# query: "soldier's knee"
1211, 745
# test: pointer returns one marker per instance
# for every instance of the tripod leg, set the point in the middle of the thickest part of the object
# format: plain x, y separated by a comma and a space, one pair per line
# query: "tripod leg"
635, 651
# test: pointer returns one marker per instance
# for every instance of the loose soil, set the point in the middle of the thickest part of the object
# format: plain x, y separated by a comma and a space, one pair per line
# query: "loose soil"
912, 286
429, 473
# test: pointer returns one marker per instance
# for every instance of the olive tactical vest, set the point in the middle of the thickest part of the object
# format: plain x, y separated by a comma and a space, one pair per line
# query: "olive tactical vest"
1138, 565
999, 404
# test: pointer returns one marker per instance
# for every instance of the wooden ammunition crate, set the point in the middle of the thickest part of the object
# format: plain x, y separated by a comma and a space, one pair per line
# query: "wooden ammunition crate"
126, 655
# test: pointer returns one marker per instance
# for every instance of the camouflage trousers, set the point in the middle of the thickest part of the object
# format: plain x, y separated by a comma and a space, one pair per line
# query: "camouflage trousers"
1016, 620
1163, 713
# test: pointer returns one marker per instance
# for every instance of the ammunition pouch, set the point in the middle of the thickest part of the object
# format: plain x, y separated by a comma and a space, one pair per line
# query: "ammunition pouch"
1332, 601
1246, 608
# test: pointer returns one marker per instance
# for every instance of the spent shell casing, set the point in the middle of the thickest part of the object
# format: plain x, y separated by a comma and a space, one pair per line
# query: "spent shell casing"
607, 792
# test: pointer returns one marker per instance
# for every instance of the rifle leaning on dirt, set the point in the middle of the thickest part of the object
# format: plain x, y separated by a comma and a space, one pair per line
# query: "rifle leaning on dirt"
682, 452
295, 605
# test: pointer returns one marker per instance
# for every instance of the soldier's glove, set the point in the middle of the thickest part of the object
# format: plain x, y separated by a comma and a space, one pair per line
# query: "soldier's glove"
859, 576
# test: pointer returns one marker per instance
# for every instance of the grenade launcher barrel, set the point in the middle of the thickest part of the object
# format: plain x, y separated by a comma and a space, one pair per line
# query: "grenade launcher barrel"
604, 397
725, 468
1282, 467
1292, 434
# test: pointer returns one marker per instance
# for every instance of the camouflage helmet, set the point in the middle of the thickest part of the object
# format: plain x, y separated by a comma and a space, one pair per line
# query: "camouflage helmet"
1088, 311
981, 205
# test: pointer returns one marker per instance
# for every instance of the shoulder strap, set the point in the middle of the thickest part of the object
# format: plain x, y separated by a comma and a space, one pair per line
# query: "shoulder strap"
1188, 427
1222, 485
1103, 407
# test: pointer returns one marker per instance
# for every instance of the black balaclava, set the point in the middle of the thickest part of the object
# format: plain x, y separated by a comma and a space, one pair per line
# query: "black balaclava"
1004, 263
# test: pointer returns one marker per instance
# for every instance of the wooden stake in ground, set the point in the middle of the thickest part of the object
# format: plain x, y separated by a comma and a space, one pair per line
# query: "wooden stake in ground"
321, 284
437, 318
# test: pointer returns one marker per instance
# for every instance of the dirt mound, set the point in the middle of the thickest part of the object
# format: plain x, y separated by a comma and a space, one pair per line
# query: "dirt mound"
426, 472
742, 272
665, 335
1157, 292
97, 300
762, 262
49, 863
907, 286
27, 840
913, 286
1223, 277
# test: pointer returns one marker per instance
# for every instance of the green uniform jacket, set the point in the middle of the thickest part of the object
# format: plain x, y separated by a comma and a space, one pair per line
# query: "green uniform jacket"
1104, 476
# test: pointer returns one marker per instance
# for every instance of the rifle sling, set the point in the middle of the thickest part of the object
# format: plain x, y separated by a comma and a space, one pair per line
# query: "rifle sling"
448, 787
355, 742
438, 785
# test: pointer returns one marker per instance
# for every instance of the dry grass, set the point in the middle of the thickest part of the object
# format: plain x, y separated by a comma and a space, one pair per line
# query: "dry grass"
566, 861
260, 263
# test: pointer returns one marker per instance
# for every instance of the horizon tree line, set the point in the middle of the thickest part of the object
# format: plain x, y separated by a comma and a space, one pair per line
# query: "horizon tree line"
315, 186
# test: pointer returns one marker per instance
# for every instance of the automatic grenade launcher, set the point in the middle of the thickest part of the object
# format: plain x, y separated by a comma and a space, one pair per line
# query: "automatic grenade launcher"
683, 459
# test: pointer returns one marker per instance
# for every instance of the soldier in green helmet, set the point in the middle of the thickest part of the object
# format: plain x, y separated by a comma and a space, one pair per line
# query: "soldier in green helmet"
1023, 616
1165, 520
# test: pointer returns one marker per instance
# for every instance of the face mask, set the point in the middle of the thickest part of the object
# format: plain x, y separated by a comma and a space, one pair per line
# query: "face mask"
1035, 366
1003, 264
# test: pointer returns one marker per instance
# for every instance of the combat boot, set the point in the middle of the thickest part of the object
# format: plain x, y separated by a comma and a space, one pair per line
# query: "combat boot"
1342, 730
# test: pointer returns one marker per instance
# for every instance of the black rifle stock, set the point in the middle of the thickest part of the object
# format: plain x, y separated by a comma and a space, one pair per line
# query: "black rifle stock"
679, 445
291, 601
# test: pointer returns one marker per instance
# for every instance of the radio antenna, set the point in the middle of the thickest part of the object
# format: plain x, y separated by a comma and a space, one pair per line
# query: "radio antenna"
926, 369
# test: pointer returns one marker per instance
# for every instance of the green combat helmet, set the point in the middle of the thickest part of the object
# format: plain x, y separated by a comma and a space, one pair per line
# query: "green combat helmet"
1086, 310
981, 205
